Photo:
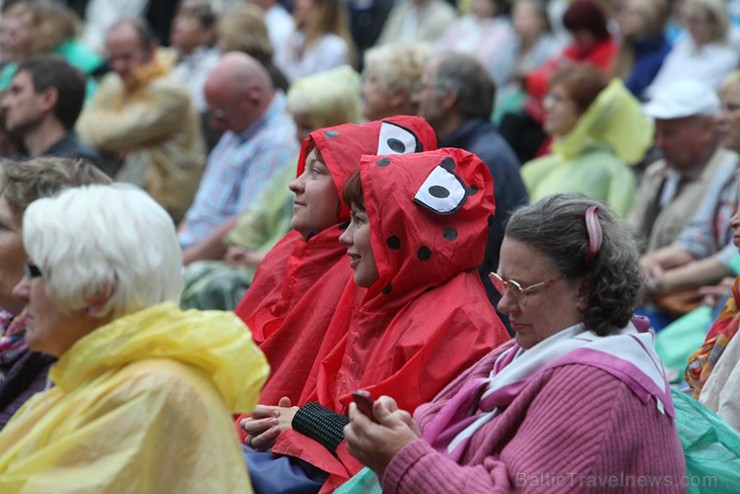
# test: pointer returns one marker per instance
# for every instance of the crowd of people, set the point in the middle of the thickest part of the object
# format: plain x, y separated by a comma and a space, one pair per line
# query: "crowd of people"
383, 245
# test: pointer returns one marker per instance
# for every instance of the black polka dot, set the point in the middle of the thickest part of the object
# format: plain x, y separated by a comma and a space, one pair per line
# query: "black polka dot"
331, 134
448, 164
472, 190
450, 234
396, 145
383, 162
387, 289
424, 253
393, 242
439, 191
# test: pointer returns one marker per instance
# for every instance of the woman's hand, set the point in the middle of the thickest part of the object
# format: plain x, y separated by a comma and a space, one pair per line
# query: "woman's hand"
267, 423
375, 444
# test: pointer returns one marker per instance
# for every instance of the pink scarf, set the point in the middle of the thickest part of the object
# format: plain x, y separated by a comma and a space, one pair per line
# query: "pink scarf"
628, 355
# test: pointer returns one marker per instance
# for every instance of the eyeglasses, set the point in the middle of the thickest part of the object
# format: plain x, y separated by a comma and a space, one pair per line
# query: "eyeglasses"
32, 271
221, 114
517, 291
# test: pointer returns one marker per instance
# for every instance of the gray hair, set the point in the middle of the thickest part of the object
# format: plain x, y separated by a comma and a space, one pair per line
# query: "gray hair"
612, 281
464, 74
104, 239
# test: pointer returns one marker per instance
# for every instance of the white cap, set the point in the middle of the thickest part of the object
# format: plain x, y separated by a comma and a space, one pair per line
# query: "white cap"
684, 98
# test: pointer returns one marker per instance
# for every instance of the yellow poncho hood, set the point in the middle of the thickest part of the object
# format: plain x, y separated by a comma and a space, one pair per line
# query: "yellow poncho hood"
217, 343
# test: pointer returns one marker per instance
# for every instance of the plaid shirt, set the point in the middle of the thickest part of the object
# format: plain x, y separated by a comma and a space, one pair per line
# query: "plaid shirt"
237, 170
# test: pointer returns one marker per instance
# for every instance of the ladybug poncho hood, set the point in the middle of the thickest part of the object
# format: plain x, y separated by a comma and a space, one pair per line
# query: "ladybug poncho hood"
427, 317
299, 283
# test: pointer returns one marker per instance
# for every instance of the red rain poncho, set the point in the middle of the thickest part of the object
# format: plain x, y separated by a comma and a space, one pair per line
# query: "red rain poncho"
299, 283
427, 318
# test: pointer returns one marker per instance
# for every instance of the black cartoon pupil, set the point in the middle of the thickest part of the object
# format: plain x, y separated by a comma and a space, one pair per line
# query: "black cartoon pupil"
439, 192
396, 145
450, 234
424, 253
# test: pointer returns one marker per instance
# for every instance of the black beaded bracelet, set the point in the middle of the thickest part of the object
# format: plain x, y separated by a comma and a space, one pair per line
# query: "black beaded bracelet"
321, 424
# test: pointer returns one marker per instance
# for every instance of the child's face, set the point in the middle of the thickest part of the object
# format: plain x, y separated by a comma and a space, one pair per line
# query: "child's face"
357, 239
316, 205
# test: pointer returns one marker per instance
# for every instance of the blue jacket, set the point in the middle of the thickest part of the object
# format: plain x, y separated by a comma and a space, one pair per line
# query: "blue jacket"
480, 137
649, 56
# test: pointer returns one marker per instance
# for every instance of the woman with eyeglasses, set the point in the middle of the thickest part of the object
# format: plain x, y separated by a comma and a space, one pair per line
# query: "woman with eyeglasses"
143, 393
22, 371
579, 395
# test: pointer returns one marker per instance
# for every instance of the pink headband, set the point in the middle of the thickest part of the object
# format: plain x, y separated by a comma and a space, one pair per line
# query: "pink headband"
595, 234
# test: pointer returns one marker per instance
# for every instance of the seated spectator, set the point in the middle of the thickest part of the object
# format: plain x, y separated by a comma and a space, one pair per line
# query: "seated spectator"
389, 79
485, 32
101, 15
597, 131
320, 39
298, 284
577, 395
705, 54
193, 36
674, 186
23, 372
456, 97
417, 21
315, 102
132, 367
143, 114
414, 242
41, 108
704, 251
44, 28
534, 44
278, 21
259, 140
243, 29
713, 373
644, 46
592, 43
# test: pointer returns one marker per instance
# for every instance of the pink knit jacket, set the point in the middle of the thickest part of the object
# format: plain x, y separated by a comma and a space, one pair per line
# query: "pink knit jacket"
574, 428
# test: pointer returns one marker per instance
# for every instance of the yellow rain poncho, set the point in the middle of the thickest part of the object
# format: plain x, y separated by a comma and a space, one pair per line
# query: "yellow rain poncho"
592, 159
141, 405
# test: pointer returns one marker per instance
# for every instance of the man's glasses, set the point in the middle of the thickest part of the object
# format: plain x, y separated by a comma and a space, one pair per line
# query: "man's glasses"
32, 271
516, 290
220, 114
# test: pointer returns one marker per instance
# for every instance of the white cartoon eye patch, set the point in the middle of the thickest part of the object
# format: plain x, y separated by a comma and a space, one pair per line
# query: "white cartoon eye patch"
395, 139
443, 192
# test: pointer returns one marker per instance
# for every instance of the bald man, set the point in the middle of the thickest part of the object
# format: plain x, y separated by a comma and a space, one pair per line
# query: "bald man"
144, 115
258, 139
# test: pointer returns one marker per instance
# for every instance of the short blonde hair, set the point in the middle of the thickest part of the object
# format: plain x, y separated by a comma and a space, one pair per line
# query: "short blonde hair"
328, 99
397, 67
